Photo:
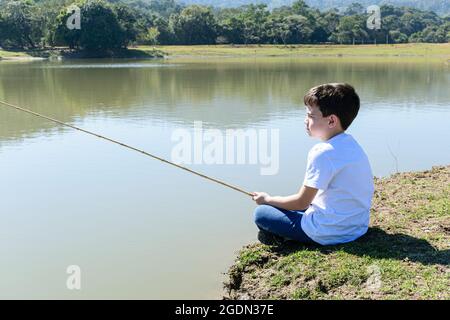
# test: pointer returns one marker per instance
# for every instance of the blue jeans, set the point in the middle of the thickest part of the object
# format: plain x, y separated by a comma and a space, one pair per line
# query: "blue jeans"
284, 223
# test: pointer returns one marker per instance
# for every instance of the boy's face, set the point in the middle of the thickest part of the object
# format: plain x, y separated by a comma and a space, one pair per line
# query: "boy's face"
317, 125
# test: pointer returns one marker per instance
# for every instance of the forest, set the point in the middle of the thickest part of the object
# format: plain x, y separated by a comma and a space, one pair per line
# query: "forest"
117, 24
439, 6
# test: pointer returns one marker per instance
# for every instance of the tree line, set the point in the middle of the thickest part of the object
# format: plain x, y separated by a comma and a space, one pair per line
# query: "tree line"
115, 24
439, 6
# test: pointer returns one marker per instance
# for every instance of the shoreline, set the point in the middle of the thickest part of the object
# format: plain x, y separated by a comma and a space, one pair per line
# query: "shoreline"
66, 54
440, 52
21, 58
404, 255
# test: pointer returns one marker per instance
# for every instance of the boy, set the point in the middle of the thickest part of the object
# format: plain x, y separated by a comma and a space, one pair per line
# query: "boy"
333, 205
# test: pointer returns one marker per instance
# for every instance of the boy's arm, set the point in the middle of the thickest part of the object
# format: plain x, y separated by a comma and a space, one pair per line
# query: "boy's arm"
298, 201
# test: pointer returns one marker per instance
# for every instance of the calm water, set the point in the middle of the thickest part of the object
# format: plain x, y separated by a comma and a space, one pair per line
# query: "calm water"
141, 229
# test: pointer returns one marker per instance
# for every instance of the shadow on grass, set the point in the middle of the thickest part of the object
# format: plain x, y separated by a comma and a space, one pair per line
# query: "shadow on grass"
378, 244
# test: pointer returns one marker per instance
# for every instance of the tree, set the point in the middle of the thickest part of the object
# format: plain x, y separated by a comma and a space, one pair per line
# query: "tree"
195, 25
20, 25
253, 18
165, 8
277, 30
354, 9
151, 36
166, 34
127, 18
101, 30
301, 8
397, 37
300, 32
325, 24
231, 25
350, 30
433, 34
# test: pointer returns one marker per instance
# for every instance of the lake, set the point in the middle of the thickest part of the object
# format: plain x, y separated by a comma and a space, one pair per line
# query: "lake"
141, 229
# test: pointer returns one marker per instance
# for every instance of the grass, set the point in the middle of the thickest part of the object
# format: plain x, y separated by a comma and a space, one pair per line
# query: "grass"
131, 53
439, 52
404, 255
415, 50
13, 54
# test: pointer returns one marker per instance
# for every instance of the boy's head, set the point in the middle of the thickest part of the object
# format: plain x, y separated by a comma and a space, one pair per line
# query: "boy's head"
332, 107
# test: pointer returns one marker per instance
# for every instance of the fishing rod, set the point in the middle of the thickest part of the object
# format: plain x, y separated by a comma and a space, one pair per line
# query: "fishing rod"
126, 146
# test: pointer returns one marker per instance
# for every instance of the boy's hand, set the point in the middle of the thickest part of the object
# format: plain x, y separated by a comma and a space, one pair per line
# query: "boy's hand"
261, 197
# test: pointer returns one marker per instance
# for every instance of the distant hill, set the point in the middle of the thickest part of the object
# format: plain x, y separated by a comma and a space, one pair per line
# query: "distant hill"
439, 6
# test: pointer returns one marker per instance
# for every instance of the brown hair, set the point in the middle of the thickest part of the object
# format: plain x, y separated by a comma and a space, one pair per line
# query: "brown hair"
339, 99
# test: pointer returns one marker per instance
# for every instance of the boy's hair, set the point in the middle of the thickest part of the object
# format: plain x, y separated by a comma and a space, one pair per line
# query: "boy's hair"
339, 99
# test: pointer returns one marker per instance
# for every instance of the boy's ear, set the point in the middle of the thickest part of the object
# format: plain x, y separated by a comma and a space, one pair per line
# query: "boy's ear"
333, 121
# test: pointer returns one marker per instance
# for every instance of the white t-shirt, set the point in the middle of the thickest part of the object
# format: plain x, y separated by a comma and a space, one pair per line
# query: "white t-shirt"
340, 212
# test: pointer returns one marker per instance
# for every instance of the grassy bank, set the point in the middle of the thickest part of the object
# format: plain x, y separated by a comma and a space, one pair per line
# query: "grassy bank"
420, 50
14, 55
405, 254
439, 51
65, 53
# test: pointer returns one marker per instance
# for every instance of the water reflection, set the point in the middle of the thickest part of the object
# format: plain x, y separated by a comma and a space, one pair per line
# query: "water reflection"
234, 93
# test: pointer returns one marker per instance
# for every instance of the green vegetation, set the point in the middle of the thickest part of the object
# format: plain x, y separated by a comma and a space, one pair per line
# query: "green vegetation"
414, 52
439, 6
404, 255
108, 26
422, 50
